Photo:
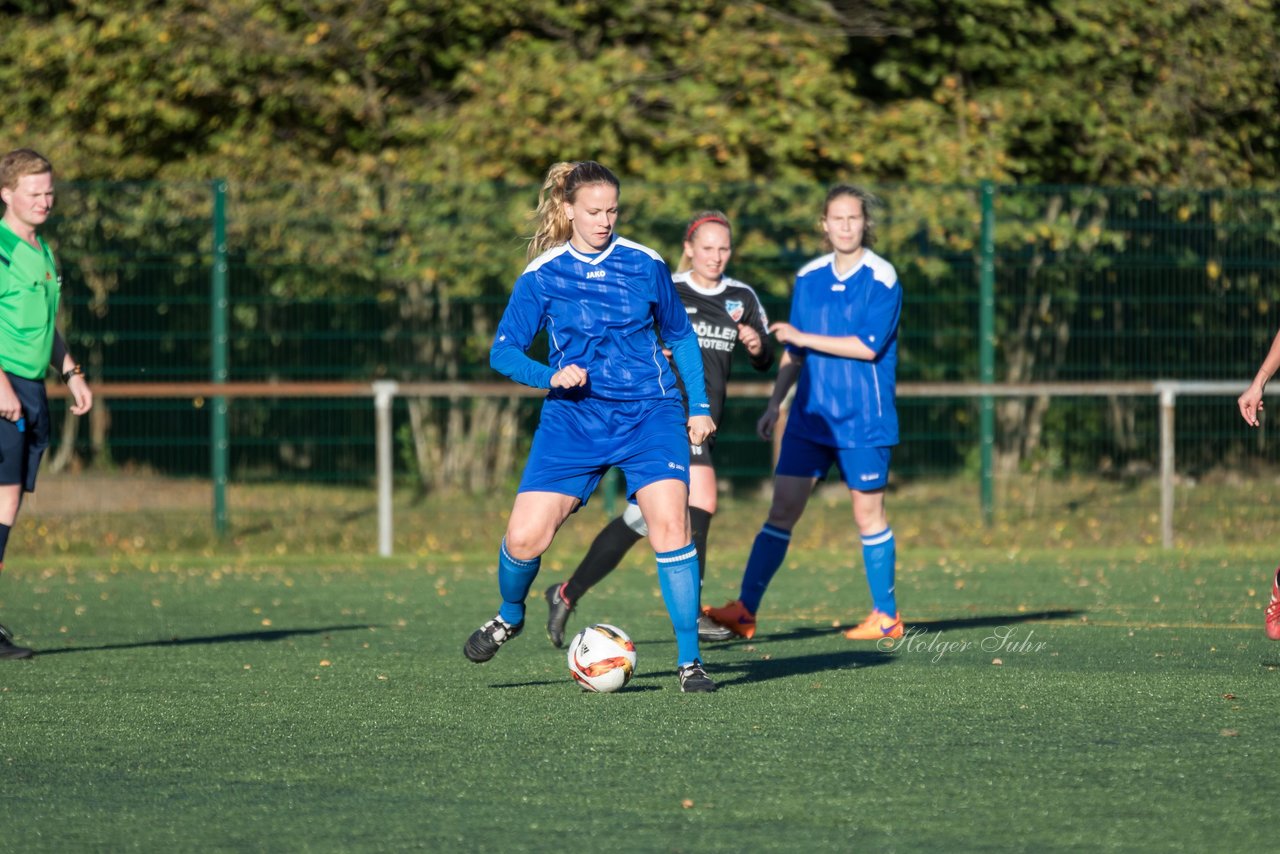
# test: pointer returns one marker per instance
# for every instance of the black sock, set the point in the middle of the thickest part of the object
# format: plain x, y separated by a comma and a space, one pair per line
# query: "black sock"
700, 521
4, 541
606, 552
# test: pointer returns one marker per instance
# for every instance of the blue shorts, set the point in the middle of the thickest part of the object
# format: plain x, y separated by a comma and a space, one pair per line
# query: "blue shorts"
863, 469
578, 440
21, 451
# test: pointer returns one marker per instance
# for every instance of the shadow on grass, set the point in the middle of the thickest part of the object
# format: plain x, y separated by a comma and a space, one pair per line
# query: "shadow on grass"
240, 637
633, 687
958, 624
782, 667
986, 622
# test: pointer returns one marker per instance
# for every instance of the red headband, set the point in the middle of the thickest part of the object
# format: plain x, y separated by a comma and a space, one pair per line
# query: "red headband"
698, 223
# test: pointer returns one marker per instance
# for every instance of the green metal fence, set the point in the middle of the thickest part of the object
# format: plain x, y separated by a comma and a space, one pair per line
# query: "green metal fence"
362, 281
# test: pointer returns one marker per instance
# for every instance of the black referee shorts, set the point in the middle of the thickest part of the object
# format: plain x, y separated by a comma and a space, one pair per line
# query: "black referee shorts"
21, 450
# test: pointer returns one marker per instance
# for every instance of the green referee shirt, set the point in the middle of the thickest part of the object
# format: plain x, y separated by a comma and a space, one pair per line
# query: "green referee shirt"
29, 291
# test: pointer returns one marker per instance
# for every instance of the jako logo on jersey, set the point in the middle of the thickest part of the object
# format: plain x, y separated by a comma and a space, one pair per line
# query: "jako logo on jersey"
675, 466
837, 287
596, 274
735, 309
866, 477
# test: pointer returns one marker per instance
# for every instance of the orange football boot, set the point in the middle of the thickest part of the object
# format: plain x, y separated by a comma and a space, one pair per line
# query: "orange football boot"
735, 617
876, 626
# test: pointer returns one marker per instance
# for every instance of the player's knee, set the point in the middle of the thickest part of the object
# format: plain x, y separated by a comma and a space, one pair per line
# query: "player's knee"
869, 513
784, 512
527, 542
10, 501
871, 521
668, 534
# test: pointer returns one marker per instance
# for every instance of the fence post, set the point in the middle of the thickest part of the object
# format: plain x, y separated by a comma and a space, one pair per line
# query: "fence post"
384, 392
986, 348
1168, 407
219, 447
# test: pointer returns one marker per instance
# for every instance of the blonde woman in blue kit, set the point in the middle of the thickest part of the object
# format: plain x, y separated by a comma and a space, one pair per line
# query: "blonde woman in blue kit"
726, 314
612, 400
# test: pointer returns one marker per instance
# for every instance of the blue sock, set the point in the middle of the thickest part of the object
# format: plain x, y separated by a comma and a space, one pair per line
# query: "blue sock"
880, 558
515, 577
678, 578
767, 553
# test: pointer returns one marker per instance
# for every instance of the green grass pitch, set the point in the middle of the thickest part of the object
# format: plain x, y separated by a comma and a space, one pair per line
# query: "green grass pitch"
1112, 699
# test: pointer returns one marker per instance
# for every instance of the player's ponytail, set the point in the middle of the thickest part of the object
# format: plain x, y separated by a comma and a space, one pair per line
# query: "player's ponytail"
562, 185
698, 221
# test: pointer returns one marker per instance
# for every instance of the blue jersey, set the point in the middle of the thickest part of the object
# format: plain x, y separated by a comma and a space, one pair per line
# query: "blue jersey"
842, 402
599, 312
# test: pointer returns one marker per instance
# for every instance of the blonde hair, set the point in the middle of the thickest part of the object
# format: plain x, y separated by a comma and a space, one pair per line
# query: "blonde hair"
871, 206
18, 164
562, 185
698, 221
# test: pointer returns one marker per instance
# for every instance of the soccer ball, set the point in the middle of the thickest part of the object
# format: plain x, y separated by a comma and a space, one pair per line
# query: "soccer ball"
602, 658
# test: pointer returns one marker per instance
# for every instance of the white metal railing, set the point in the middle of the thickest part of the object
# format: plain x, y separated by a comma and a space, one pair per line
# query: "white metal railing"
384, 394
1166, 391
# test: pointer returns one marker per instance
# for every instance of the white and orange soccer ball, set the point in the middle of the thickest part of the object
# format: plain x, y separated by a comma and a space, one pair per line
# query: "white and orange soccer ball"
602, 658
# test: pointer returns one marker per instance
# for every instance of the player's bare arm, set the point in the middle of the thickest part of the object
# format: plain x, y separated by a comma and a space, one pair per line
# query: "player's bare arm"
1250, 403
848, 346
788, 372
77, 385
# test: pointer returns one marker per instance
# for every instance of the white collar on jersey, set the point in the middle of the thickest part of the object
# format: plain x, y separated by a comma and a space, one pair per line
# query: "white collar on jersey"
847, 274
686, 276
598, 257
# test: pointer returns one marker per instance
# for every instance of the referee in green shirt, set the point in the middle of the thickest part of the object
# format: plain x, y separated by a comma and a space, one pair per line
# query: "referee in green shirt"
29, 342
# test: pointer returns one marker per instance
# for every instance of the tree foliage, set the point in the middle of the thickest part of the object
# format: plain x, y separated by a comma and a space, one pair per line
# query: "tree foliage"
1077, 91
1090, 91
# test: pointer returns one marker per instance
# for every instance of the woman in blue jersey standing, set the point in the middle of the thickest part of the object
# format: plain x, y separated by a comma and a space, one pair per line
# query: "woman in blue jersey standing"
841, 355
612, 401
